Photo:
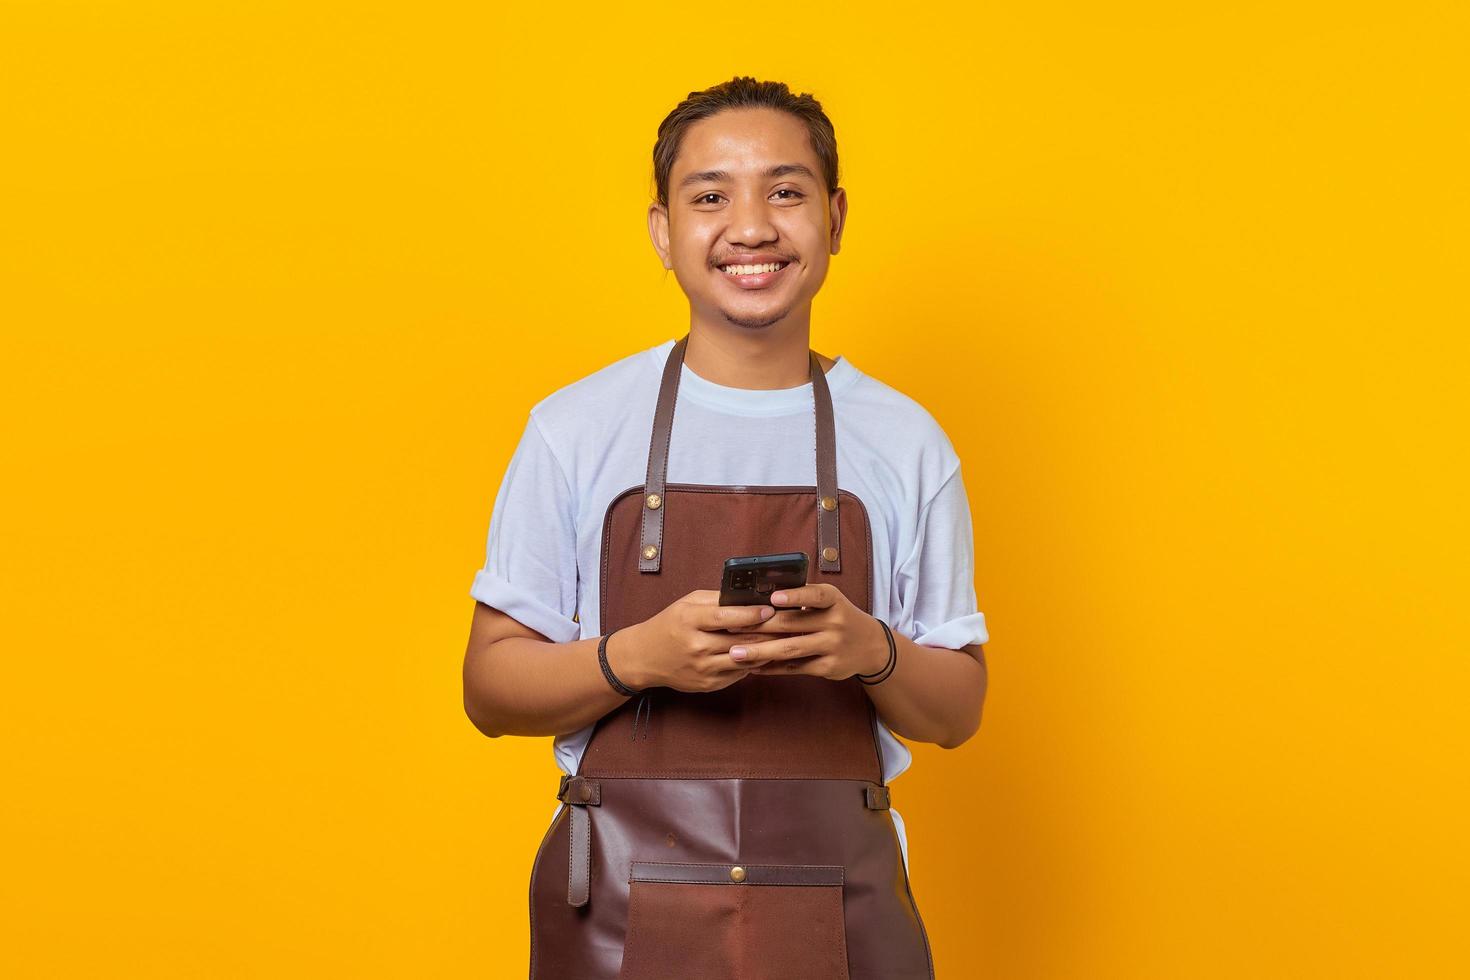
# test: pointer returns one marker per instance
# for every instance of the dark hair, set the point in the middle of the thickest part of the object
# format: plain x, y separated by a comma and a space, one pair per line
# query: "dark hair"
742, 92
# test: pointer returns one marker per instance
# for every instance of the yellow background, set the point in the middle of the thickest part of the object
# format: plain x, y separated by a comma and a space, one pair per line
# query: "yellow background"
1185, 286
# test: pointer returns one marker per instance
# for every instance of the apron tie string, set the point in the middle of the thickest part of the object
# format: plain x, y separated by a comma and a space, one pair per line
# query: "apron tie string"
642, 700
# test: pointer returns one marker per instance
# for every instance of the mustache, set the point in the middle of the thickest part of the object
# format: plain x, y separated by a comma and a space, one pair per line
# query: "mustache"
726, 260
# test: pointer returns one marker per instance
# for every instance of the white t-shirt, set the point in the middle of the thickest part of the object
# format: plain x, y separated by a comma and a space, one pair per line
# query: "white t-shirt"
588, 441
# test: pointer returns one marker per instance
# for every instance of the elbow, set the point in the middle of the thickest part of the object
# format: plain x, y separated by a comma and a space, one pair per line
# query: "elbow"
478, 707
960, 739
972, 723
962, 736
481, 723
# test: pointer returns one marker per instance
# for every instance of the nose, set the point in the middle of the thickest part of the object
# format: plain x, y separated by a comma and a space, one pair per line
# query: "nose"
750, 221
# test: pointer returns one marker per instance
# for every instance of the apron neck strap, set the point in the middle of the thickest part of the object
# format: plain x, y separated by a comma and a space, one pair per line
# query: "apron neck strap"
650, 545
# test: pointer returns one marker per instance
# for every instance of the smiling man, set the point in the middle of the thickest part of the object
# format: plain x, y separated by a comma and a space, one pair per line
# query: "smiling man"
760, 260
711, 750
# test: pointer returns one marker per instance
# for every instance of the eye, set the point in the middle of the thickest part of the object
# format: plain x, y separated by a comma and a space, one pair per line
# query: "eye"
705, 197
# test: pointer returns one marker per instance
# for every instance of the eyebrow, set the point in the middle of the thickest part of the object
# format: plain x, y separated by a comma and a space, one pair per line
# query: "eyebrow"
779, 170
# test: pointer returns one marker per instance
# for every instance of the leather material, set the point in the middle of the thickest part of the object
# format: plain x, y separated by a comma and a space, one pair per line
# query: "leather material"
748, 874
780, 775
701, 927
726, 822
827, 520
579, 793
658, 462
579, 872
579, 790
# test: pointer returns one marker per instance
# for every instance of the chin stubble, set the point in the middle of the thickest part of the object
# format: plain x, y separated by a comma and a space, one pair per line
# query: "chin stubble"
753, 322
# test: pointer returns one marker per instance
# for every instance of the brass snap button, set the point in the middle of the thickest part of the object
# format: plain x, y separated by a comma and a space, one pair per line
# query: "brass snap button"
737, 873
829, 503
829, 553
651, 551
653, 500
586, 792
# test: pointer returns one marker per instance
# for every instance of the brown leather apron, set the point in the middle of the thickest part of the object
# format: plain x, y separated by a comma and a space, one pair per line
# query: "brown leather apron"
739, 834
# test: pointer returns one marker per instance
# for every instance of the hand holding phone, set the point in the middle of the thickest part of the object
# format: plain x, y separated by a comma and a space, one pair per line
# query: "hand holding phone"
749, 580
686, 645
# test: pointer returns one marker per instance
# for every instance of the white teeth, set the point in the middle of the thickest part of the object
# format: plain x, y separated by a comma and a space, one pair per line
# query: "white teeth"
750, 270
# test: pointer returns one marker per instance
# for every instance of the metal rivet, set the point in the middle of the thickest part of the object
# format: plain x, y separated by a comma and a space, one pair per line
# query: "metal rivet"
651, 551
737, 873
653, 501
586, 791
829, 553
829, 503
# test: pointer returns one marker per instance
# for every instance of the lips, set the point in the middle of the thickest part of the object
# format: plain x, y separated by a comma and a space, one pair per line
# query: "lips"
759, 280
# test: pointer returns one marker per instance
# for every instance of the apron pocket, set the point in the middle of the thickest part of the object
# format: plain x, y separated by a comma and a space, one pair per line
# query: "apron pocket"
735, 922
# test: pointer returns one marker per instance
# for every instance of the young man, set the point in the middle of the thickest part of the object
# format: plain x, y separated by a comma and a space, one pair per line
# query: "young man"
706, 746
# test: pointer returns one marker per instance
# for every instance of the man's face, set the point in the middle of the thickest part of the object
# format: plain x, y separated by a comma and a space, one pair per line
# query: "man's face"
738, 195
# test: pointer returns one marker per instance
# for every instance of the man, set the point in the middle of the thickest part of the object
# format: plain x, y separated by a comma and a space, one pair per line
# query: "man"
748, 212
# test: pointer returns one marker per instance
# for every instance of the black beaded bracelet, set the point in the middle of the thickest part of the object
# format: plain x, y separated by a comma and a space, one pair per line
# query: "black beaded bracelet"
618, 685
882, 675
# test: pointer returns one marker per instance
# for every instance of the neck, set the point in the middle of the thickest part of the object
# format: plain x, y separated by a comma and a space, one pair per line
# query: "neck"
761, 359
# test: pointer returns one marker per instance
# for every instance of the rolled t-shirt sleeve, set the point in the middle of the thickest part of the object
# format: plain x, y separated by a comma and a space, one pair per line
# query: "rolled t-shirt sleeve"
935, 585
530, 571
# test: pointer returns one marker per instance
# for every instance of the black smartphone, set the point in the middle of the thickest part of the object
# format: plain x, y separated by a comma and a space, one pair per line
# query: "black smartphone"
749, 580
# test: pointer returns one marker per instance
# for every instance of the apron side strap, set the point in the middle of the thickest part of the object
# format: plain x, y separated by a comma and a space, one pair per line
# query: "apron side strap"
579, 792
877, 797
579, 867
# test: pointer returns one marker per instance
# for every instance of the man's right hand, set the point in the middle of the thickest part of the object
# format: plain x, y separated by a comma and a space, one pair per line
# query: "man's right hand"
687, 645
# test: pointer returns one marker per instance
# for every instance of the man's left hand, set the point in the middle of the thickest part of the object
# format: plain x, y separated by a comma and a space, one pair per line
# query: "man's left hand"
825, 636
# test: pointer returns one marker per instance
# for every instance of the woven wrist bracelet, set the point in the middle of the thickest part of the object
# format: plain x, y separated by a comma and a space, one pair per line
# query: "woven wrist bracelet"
882, 675
617, 685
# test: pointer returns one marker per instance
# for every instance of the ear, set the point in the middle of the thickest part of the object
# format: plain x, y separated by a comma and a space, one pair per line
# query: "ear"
658, 232
837, 208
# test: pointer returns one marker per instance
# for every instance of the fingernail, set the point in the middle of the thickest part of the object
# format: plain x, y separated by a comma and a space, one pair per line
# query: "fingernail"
767, 612
738, 653
778, 597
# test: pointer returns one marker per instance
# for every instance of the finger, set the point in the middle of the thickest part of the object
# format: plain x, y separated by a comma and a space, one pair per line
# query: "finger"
753, 634
800, 665
739, 617
819, 595
751, 665
785, 648
795, 619
776, 623
778, 626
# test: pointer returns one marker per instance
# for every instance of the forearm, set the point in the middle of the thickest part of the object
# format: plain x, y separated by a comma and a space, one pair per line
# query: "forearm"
933, 695
524, 686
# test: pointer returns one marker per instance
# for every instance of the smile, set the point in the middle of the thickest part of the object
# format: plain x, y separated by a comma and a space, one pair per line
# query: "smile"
753, 276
